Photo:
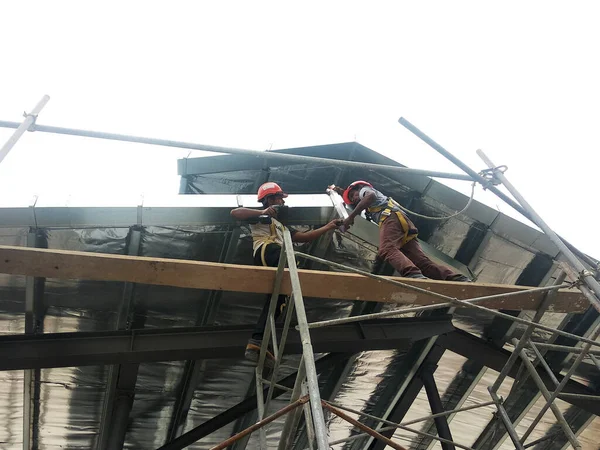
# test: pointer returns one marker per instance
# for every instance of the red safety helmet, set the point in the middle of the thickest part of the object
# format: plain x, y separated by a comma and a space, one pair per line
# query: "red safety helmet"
346, 195
270, 188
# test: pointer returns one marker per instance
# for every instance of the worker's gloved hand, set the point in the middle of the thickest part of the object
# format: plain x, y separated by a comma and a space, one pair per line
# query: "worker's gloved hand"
337, 189
270, 211
334, 224
348, 222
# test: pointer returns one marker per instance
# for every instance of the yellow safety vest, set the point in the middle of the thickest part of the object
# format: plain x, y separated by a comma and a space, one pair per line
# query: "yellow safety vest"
386, 211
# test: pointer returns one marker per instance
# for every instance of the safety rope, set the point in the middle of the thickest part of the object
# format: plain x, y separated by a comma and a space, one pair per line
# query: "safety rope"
445, 217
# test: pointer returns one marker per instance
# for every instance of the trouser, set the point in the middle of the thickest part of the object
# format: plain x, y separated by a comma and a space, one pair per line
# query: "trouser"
272, 253
408, 258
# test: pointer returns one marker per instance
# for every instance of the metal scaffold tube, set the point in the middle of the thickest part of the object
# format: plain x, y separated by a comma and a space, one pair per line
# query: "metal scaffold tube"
362, 427
487, 184
525, 337
543, 362
273, 156
23, 127
404, 425
261, 424
307, 350
540, 385
586, 276
560, 387
564, 348
506, 420
292, 420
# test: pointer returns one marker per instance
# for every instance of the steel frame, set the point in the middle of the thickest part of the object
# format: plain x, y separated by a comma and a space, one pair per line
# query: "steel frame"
582, 276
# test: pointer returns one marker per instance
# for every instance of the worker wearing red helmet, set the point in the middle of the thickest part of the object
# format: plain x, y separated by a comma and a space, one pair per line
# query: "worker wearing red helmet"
397, 234
267, 239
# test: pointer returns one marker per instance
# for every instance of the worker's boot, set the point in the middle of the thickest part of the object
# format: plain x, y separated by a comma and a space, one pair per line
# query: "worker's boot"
461, 278
418, 276
253, 353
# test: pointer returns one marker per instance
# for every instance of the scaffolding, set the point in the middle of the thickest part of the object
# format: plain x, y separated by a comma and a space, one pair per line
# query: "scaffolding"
305, 398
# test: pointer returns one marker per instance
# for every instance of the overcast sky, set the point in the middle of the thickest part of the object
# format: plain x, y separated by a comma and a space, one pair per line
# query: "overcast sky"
519, 80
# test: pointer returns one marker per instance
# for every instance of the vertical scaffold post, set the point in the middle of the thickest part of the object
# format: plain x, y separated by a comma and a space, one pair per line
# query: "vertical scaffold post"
307, 350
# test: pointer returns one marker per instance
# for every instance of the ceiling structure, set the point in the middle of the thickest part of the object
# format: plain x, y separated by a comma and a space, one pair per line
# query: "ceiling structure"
100, 395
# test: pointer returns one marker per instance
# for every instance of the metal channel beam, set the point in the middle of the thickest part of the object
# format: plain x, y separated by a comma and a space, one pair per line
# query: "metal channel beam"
120, 385
171, 344
231, 163
34, 324
165, 210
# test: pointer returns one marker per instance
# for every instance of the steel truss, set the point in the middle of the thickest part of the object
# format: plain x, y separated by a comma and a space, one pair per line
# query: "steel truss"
305, 391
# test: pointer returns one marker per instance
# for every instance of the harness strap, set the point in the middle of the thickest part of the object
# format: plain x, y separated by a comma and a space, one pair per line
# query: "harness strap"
265, 241
403, 222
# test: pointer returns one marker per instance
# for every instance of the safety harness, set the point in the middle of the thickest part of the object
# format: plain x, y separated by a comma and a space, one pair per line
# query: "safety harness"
388, 210
272, 238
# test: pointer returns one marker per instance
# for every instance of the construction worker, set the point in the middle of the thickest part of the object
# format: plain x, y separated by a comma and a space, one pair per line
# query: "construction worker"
267, 242
397, 234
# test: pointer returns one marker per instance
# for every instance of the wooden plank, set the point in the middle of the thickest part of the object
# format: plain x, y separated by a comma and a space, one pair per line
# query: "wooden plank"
65, 264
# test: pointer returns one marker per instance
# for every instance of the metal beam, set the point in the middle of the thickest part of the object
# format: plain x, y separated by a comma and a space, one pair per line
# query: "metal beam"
435, 403
34, 323
232, 163
409, 391
456, 394
247, 405
173, 210
170, 344
120, 384
467, 378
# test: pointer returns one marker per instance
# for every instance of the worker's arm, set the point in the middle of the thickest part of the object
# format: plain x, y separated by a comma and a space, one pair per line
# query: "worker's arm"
247, 213
366, 201
308, 236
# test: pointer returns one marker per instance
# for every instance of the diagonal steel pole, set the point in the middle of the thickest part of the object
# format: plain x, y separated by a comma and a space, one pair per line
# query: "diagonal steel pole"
586, 277
403, 425
484, 182
23, 127
362, 427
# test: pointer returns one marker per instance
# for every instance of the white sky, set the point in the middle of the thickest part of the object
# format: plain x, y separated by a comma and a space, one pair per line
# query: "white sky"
517, 79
